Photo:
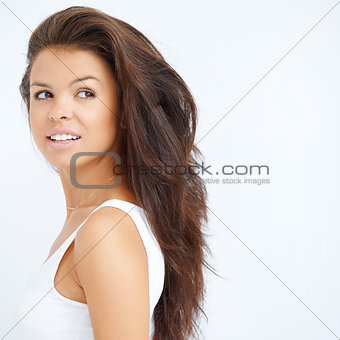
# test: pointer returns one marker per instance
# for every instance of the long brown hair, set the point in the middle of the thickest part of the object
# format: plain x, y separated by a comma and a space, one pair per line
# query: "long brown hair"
159, 118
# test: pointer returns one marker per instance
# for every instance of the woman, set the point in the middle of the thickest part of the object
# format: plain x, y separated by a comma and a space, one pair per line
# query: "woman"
128, 263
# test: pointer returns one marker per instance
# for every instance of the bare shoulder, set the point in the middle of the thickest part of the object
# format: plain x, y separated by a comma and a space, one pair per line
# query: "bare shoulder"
112, 268
109, 220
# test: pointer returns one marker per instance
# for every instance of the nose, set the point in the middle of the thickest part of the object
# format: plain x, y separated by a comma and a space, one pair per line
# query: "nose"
59, 114
60, 108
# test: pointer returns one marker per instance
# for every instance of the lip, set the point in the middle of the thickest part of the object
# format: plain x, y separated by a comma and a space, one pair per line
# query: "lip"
61, 131
61, 146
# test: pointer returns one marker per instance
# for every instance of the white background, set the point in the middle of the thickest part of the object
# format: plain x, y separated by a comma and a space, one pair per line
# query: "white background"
276, 245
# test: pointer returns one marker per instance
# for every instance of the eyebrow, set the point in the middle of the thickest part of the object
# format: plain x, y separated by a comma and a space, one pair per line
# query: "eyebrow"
36, 83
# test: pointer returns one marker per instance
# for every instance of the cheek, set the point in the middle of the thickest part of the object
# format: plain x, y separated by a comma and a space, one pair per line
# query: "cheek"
39, 131
37, 125
102, 130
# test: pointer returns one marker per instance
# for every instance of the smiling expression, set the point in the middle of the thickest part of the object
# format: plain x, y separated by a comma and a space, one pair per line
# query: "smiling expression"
73, 89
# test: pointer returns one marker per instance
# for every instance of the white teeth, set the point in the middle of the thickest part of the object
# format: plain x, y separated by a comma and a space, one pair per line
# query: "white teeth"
63, 137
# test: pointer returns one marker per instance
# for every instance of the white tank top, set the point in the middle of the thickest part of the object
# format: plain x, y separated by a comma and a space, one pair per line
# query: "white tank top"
43, 313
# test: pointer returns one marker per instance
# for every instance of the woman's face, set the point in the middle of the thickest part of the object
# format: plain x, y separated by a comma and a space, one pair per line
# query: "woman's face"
59, 100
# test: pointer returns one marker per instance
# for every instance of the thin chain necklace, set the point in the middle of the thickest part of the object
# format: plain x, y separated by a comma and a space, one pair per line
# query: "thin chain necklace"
87, 198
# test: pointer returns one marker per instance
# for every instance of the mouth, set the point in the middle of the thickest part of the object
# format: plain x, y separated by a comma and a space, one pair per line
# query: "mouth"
63, 141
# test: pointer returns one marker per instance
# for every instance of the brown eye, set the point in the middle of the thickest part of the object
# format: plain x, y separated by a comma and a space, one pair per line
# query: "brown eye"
37, 95
91, 94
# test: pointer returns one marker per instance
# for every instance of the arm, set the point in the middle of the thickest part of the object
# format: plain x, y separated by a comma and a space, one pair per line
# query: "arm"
113, 271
